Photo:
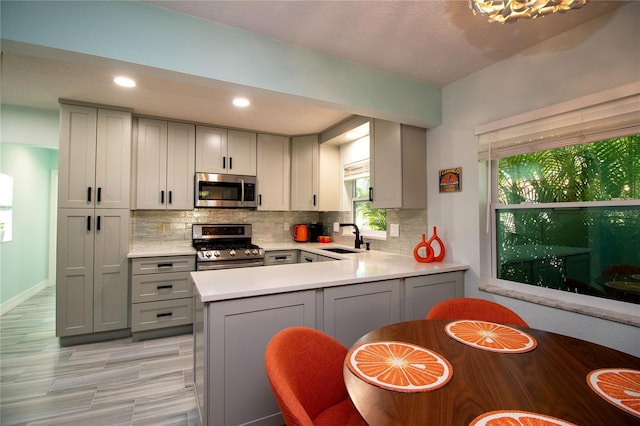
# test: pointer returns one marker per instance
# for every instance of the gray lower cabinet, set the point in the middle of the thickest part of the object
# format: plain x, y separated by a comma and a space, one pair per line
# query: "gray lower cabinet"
424, 292
92, 293
351, 311
229, 343
161, 292
281, 257
230, 336
307, 257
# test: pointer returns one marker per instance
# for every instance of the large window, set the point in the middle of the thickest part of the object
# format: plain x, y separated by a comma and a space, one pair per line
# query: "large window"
569, 218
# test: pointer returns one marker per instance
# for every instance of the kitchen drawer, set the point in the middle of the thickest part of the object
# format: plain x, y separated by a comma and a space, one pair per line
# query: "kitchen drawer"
307, 257
162, 314
153, 287
280, 257
156, 265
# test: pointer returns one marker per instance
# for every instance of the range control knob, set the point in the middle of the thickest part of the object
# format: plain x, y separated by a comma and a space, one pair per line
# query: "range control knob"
216, 253
254, 251
247, 252
207, 254
232, 252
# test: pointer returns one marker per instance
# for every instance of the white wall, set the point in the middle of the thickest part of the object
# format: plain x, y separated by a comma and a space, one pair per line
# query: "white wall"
599, 55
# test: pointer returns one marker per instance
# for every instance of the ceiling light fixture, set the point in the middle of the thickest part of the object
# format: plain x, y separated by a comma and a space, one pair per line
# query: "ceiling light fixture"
241, 102
124, 82
508, 11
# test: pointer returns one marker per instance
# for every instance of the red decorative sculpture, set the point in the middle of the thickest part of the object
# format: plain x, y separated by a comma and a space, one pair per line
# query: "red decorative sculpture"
428, 257
429, 253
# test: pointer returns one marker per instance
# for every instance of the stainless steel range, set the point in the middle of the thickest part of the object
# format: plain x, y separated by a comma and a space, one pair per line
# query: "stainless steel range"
224, 247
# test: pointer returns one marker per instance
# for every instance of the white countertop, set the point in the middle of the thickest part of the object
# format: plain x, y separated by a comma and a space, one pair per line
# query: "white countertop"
168, 248
364, 266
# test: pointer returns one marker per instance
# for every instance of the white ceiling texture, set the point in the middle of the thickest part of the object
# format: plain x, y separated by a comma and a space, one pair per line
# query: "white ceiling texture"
437, 42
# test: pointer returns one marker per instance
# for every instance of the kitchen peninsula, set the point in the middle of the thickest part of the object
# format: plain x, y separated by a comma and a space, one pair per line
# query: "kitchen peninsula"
237, 311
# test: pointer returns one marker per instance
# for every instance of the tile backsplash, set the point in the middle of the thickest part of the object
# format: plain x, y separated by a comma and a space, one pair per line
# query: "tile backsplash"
159, 226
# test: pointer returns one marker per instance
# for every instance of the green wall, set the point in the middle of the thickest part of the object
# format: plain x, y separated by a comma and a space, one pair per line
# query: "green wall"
24, 261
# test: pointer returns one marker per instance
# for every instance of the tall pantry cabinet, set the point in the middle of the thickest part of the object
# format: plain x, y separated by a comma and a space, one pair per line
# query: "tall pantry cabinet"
93, 219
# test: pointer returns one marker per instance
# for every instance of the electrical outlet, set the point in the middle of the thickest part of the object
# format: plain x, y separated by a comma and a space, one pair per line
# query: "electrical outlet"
394, 230
286, 226
336, 226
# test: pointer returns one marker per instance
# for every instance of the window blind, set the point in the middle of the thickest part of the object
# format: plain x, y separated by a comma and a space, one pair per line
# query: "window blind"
357, 170
606, 115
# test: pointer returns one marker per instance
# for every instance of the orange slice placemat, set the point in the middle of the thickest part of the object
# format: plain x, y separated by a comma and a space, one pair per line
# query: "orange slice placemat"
491, 336
515, 418
399, 366
619, 386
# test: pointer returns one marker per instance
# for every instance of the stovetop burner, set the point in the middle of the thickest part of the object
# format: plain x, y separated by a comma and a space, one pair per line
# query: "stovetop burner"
218, 243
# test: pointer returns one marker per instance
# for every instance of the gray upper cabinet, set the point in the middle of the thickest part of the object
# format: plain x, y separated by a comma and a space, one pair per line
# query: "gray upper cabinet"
398, 155
274, 172
165, 165
304, 173
315, 175
225, 151
95, 157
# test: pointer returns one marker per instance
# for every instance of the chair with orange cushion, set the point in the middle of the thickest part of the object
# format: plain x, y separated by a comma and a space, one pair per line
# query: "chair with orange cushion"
475, 309
304, 367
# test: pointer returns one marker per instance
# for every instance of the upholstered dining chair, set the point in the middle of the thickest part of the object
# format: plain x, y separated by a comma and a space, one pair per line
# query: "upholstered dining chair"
475, 309
304, 367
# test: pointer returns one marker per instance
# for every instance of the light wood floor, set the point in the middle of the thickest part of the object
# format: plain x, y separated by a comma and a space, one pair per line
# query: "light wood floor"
119, 382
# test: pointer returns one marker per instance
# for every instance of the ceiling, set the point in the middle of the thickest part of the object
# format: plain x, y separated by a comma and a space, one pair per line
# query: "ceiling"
437, 42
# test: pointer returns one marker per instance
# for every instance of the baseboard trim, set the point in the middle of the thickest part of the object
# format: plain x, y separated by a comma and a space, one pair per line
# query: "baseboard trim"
22, 297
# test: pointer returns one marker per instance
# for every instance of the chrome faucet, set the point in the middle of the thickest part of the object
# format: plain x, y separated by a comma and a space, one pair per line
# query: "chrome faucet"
359, 240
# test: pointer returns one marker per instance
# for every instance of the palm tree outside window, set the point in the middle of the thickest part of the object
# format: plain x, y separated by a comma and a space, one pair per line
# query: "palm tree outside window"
569, 218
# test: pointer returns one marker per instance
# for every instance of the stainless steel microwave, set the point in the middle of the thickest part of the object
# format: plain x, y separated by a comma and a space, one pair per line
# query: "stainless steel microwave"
221, 190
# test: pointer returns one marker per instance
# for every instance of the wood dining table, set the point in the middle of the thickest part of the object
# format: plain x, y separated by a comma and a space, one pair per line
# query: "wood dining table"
550, 379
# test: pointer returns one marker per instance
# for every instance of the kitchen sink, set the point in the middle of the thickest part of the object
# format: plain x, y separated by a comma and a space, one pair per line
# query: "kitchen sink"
340, 250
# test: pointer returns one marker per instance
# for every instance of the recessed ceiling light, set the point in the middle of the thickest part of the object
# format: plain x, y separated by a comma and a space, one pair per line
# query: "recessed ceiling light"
241, 102
124, 82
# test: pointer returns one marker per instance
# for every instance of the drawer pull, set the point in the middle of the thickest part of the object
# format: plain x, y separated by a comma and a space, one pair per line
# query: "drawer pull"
160, 287
164, 314
165, 265
280, 258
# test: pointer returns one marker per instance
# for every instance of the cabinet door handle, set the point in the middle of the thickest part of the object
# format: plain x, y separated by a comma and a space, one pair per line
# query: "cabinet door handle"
97, 223
164, 314
230, 163
224, 162
370, 193
161, 197
161, 287
88, 223
314, 199
89, 194
260, 199
170, 197
99, 194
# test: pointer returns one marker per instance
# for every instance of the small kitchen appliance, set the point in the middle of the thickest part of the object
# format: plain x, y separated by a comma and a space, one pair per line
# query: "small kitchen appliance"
222, 190
224, 247
315, 230
300, 232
